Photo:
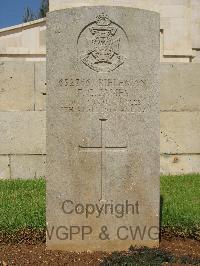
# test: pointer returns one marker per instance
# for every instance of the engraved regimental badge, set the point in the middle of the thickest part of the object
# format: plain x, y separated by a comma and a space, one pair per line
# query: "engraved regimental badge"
103, 45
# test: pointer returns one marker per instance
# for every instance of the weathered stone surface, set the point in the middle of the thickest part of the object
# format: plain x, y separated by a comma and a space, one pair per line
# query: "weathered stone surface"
40, 86
22, 133
63, 4
103, 125
179, 23
16, 86
180, 85
179, 132
4, 167
179, 164
27, 166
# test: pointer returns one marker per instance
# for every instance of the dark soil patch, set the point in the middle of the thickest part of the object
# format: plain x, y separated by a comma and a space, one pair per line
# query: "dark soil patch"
176, 251
26, 236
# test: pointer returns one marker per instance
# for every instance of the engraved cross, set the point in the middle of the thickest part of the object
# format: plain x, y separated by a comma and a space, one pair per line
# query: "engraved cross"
103, 148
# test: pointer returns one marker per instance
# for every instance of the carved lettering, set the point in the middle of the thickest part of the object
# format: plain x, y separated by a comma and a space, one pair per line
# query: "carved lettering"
108, 94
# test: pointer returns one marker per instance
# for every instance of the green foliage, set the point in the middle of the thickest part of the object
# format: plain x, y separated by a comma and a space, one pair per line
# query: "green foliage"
44, 8
29, 14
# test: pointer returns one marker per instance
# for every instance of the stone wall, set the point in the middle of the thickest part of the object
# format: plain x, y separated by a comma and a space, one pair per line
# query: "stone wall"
179, 30
22, 119
24, 42
180, 118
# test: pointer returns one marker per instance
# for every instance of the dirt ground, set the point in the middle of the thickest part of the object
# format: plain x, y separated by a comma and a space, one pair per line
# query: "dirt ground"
24, 254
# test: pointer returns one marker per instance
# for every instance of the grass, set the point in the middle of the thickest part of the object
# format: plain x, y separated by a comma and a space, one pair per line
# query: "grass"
22, 204
180, 197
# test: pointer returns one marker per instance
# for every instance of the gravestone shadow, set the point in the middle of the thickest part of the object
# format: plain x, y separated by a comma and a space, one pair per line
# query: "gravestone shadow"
161, 214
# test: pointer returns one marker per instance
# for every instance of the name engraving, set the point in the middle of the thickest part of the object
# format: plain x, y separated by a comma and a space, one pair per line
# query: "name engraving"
106, 94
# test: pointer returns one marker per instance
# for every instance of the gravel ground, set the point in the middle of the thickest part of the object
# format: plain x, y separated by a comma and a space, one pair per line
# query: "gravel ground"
29, 254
